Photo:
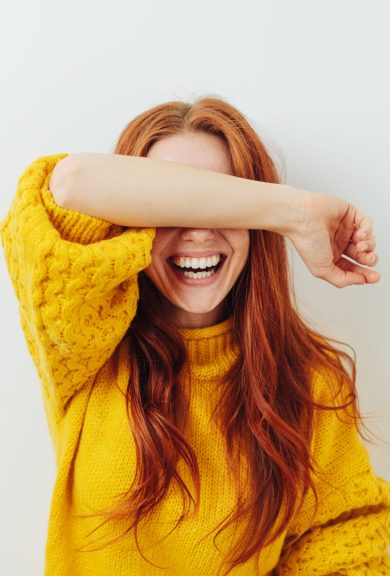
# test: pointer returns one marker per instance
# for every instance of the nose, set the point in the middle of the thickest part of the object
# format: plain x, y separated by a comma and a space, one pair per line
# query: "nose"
197, 234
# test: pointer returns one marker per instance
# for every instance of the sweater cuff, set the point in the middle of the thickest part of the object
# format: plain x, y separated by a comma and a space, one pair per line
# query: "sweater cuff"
72, 225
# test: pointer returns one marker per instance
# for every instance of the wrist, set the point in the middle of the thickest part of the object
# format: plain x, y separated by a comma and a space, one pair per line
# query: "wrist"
292, 211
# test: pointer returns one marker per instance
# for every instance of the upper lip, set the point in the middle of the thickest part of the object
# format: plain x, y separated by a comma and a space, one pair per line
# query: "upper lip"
197, 254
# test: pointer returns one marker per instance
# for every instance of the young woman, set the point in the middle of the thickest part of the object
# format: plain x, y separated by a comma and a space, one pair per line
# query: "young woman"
200, 426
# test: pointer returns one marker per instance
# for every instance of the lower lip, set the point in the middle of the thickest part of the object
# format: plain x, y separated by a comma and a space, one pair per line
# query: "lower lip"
198, 281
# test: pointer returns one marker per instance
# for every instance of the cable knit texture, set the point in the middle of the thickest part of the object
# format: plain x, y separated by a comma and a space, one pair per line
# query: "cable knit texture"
75, 278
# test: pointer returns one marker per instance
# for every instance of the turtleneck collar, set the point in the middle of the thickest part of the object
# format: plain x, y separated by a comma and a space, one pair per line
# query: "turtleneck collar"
207, 331
211, 350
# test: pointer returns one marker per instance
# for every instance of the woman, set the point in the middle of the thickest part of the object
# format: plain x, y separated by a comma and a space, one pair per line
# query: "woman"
200, 426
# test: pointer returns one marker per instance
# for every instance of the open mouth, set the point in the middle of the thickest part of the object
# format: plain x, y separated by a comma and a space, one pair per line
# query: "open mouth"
197, 273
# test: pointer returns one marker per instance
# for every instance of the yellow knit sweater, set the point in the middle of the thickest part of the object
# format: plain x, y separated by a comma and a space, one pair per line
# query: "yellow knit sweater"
75, 278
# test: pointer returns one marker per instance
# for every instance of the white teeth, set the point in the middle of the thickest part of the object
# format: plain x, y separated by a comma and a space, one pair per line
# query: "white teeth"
185, 262
198, 274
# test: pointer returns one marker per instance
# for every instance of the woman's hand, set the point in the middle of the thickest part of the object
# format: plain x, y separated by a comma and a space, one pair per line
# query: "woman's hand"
330, 229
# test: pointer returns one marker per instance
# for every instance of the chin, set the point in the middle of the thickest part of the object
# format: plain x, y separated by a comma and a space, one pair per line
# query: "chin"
196, 308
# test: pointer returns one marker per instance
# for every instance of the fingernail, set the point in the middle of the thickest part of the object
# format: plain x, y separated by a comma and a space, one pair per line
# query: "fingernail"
364, 234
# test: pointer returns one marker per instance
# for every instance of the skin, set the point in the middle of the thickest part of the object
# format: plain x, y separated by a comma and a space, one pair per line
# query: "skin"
333, 237
196, 306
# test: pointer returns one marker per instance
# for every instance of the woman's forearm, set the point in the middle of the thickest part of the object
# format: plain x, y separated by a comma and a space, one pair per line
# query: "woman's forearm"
138, 191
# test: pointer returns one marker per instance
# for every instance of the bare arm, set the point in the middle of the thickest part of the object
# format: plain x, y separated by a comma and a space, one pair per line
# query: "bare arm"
138, 191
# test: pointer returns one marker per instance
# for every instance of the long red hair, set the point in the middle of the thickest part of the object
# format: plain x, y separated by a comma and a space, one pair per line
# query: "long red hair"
267, 408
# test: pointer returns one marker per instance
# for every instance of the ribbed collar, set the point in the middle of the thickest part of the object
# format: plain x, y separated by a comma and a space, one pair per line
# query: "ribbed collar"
211, 350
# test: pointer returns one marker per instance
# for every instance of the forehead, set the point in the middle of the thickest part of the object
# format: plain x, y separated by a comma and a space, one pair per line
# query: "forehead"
197, 149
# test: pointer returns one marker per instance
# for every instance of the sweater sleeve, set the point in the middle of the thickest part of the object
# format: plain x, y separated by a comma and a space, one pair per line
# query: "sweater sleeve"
75, 279
350, 533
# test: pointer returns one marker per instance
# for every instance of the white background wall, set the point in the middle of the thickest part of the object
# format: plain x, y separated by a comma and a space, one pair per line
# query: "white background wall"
311, 76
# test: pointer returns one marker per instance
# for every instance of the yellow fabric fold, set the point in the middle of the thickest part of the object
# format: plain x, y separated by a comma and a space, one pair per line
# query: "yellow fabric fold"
75, 279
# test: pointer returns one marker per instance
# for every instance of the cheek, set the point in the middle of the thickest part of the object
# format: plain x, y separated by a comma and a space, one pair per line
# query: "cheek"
151, 270
160, 241
156, 270
242, 250
155, 254
241, 244
241, 265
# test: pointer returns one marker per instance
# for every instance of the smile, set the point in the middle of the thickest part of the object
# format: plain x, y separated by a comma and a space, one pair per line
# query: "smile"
191, 276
